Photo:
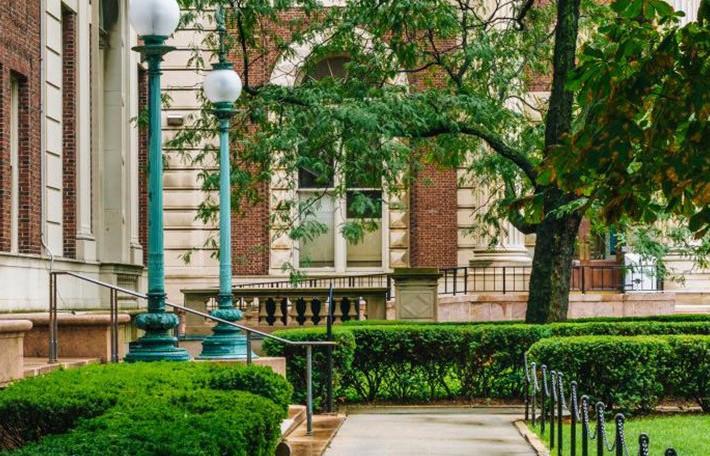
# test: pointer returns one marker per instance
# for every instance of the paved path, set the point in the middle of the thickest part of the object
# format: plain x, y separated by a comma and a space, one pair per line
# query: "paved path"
430, 432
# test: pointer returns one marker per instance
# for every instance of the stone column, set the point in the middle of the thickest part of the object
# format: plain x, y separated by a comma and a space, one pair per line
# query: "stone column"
510, 249
416, 294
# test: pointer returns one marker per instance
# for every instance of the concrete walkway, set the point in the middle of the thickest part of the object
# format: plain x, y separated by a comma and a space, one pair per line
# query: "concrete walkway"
430, 431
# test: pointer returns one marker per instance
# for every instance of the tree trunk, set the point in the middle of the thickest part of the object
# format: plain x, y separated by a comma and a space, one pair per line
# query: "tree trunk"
548, 300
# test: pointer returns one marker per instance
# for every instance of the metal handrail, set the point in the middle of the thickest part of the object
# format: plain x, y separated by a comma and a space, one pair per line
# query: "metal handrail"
114, 290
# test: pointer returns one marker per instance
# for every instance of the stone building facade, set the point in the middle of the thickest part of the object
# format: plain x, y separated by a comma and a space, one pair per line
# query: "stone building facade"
69, 87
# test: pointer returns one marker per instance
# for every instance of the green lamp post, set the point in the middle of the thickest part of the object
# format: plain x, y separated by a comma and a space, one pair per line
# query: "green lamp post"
223, 87
155, 21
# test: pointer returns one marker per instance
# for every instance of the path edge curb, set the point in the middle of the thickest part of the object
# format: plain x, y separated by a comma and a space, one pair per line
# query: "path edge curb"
531, 438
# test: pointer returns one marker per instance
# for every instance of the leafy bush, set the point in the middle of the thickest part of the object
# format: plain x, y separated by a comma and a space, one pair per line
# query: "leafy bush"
631, 373
296, 360
690, 374
96, 404
202, 422
420, 362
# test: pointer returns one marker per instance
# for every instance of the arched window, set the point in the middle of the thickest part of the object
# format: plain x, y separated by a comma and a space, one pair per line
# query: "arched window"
330, 249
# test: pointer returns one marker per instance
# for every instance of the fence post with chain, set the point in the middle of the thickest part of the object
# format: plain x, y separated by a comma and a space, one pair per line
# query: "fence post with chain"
560, 402
553, 398
600, 434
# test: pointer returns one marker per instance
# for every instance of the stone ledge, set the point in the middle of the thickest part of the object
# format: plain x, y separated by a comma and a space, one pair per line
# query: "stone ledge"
65, 319
15, 325
79, 336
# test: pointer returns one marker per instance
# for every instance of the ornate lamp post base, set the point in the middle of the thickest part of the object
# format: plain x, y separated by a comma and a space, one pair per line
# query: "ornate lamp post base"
157, 344
226, 342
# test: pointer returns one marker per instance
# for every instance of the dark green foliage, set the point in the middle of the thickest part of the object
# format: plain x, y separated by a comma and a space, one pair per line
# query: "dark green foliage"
296, 360
421, 362
631, 373
152, 408
690, 377
268, 386
203, 422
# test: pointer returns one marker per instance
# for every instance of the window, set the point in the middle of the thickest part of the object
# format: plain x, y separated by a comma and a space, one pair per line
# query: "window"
14, 163
362, 202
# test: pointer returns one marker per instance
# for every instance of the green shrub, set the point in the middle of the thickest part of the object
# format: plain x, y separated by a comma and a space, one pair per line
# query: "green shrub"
631, 373
425, 361
296, 360
79, 400
690, 374
188, 423
268, 386
623, 372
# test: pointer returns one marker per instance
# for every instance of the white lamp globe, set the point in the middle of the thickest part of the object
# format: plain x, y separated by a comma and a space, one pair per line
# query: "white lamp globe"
223, 86
154, 17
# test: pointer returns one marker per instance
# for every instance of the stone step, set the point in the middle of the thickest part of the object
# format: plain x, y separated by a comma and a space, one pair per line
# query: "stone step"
298, 443
296, 416
38, 366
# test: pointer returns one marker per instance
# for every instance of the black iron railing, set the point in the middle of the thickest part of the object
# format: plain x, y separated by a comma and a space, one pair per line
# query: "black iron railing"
116, 290
547, 390
515, 279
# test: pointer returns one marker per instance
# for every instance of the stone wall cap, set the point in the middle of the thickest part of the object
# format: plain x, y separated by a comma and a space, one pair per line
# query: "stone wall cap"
416, 272
42, 319
10, 326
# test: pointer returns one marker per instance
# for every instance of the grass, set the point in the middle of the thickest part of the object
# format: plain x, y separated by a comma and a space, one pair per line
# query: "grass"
687, 434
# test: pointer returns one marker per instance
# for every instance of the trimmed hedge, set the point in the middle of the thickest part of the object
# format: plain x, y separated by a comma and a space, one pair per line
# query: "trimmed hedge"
296, 360
659, 318
146, 408
420, 362
631, 373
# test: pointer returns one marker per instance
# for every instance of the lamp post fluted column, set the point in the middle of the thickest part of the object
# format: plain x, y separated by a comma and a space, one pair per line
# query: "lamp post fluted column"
223, 87
157, 344
226, 342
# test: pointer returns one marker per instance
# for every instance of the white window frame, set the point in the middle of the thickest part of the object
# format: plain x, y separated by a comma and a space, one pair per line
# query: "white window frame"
340, 243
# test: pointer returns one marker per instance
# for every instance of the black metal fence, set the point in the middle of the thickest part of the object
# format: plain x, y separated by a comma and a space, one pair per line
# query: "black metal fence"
584, 278
545, 395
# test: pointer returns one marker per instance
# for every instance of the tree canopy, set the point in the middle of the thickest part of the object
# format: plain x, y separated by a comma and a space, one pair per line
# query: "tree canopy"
459, 84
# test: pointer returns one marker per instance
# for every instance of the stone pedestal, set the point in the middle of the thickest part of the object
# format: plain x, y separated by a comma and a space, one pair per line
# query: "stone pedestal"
416, 293
11, 349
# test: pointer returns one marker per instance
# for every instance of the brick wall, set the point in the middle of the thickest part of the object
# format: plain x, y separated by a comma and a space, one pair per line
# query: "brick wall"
20, 58
69, 94
250, 237
433, 236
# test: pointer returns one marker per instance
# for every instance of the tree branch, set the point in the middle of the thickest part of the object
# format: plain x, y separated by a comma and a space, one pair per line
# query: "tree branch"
495, 143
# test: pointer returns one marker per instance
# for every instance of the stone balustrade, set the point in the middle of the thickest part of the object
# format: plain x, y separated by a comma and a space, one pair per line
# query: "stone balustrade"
287, 307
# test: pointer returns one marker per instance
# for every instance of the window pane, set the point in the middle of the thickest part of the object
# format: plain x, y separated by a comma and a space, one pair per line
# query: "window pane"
309, 177
368, 252
364, 204
333, 67
319, 251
